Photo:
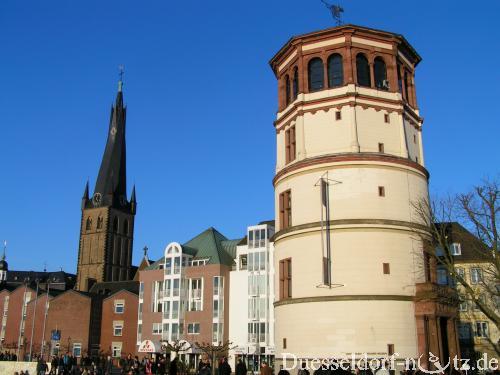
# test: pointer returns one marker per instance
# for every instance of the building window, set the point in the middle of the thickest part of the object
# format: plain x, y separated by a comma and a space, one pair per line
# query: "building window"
335, 71
456, 249
463, 306
481, 329
284, 343
290, 144
295, 83
442, 276
381, 147
285, 203
119, 307
387, 268
117, 329
476, 275
99, 222
77, 349
88, 226
381, 191
407, 97
380, 74
387, 119
218, 284
243, 261
338, 115
285, 272
363, 70
193, 328
414, 138
195, 294
125, 227
157, 329
115, 225
316, 74
390, 349
117, 350
217, 332
287, 89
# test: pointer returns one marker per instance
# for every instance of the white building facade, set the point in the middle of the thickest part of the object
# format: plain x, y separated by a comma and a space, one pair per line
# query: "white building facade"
251, 298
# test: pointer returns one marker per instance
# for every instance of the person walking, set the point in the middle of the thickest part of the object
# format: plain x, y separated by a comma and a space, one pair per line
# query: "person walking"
241, 368
41, 367
266, 370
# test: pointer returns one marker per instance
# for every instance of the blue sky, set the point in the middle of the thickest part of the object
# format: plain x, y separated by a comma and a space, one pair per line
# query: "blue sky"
201, 102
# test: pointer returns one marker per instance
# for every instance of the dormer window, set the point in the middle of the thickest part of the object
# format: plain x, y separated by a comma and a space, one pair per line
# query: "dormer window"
456, 249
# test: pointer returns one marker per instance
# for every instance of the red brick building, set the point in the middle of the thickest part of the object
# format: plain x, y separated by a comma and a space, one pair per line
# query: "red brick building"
119, 323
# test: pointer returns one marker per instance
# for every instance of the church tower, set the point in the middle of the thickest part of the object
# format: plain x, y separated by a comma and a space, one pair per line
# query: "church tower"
107, 225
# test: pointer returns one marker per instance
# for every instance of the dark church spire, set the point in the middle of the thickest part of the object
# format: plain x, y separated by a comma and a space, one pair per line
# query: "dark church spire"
111, 184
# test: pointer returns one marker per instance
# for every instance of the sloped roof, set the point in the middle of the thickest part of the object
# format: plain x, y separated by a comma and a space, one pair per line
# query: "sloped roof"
111, 287
156, 265
472, 248
213, 245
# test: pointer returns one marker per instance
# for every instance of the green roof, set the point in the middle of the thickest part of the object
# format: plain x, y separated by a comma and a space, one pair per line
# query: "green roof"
213, 245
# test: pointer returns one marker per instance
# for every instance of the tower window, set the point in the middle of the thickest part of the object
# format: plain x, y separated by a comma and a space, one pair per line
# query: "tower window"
335, 71
284, 342
381, 147
387, 119
386, 268
287, 90
295, 83
316, 74
380, 73
88, 225
363, 70
290, 144
125, 227
285, 202
414, 138
115, 224
381, 191
407, 97
285, 273
390, 349
99, 222
338, 115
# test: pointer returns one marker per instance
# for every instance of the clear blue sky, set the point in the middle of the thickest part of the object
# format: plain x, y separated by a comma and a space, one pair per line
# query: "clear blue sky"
201, 101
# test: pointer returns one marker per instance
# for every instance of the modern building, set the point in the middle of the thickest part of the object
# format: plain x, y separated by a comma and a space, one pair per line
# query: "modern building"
183, 295
107, 225
351, 275
251, 298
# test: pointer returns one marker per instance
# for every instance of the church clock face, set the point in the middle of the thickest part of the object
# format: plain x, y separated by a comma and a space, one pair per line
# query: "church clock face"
97, 199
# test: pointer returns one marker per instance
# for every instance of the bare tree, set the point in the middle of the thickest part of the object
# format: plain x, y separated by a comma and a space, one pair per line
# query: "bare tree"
214, 352
477, 211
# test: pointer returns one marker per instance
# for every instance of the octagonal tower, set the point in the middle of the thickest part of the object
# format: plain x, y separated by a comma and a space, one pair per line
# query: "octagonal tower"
350, 165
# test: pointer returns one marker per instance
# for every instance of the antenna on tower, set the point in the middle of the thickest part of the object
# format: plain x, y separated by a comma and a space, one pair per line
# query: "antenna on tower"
336, 11
121, 70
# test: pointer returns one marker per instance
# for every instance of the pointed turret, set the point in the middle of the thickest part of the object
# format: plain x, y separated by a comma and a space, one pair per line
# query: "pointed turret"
85, 197
111, 184
133, 201
4, 267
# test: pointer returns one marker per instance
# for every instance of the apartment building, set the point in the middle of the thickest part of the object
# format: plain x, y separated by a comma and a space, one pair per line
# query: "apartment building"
251, 297
183, 296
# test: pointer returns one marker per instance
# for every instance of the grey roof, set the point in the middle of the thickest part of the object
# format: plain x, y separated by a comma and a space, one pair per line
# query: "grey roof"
472, 248
111, 287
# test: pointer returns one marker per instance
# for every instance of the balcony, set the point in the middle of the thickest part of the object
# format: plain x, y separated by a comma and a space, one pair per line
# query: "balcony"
432, 298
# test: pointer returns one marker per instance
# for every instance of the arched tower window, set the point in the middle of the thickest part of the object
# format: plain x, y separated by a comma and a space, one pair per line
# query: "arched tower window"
316, 76
295, 83
335, 71
88, 225
115, 224
363, 70
380, 73
125, 227
99, 222
407, 97
287, 89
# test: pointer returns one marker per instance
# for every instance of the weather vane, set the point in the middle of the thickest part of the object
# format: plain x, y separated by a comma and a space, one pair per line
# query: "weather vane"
336, 11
